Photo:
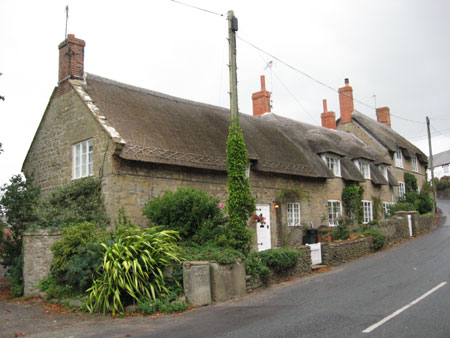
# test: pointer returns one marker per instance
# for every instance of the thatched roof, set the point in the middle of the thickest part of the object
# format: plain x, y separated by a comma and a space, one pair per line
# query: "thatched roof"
154, 127
388, 137
148, 126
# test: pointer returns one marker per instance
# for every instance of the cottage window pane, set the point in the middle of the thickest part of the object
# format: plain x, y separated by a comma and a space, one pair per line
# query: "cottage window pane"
293, 214
83, 159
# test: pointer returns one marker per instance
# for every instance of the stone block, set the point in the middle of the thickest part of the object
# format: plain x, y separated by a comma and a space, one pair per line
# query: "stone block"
197, 283
227, 281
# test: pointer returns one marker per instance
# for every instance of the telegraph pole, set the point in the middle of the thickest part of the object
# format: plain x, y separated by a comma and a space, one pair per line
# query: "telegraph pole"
431, 159
232, 29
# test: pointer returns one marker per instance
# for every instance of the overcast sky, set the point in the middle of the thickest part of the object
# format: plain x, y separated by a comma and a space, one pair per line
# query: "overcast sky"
398, 50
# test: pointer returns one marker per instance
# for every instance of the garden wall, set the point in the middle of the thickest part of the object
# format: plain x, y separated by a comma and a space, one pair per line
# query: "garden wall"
37, 258
336, 253
395, 228
424, 224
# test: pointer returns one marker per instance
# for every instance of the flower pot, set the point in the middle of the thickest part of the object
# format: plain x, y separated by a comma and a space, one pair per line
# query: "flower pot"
352, 236
330, 238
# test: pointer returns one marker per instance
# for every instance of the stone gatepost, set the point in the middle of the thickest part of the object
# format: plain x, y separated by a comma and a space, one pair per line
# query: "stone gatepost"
227, 281
37, 257
197, 283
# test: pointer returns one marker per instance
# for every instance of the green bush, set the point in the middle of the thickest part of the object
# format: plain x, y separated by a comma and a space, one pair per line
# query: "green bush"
150, 306
279, 260
82, 266
132, 269
443, 183
73, 237
254, 267
340, 232
401, 206
378, 238
410, 183
55, 290
77, 202
221, 255
190, 212
425, 203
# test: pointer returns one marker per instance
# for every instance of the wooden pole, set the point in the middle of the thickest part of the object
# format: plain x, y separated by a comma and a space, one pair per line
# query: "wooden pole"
232, 29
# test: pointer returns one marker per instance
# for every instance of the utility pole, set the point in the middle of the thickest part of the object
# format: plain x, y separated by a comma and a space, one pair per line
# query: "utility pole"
431, 159
232, 29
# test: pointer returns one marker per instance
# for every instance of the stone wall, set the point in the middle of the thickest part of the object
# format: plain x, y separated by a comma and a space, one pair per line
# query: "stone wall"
37, 258
424, 224
336, 253
395, 229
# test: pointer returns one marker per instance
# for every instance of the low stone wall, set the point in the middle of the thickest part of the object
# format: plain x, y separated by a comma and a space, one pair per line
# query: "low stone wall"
395, 228
443, 194
304, 263
227, 281
336, 253
37, 258
424, 224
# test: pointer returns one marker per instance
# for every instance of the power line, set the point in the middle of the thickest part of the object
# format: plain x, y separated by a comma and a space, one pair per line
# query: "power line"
195, 7
316, 80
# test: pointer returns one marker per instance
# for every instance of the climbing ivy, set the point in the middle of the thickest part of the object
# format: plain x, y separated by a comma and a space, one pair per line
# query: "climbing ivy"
240, 202
352, 202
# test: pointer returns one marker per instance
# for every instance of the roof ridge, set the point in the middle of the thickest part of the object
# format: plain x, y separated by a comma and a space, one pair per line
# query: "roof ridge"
152, 92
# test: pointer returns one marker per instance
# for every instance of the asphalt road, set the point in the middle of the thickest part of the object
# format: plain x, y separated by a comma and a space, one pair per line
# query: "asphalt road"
341, 303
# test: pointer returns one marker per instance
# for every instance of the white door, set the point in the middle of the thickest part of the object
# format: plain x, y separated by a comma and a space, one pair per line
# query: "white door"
263, 227
316, 253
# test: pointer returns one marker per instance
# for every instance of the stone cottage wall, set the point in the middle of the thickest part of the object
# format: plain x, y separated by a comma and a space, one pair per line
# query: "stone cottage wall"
37, 258
424, 224
50, 155
134, 183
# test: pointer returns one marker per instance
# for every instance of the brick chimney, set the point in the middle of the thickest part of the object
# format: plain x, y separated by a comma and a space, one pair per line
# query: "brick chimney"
328, 117
71, 58
346, 102
261, 99
384, 116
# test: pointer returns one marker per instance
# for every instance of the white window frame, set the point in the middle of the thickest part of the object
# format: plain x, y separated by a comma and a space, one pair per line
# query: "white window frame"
364, 168
294, 214
333, 163
368, 212
334, 212
83, 159
415, 166
401, 189
384, 171
398, 159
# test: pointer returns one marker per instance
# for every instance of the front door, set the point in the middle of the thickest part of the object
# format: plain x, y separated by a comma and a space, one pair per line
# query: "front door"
263, 227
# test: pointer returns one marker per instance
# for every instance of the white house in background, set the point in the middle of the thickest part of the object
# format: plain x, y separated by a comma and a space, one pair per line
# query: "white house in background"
441, 163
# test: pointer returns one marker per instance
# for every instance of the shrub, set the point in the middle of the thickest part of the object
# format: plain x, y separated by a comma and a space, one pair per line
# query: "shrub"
378, 238
410, 183
132, 269
190, 212
77, 202
443, 183
401, 206
82, 266
425, 203
240, 202
150, 306
254, 267
73, 237
340, 232
279, 260
54, 290
211, 253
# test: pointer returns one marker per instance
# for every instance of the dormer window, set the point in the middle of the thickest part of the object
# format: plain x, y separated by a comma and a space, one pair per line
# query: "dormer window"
334, 164
364, 168
384, 171
415, 166
398, 159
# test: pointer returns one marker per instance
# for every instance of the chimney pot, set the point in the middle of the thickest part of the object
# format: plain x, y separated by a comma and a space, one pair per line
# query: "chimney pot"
263, 83
325, 108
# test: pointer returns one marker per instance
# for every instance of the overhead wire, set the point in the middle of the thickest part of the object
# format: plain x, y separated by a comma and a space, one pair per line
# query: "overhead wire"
195, 7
